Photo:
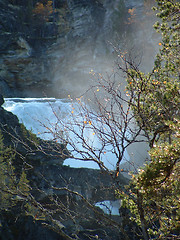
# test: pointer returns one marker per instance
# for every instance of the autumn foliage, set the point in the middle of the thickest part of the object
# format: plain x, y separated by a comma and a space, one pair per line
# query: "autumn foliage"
43, 10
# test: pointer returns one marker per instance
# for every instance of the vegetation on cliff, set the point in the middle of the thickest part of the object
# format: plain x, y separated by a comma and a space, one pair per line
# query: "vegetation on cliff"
35, 19
153, 195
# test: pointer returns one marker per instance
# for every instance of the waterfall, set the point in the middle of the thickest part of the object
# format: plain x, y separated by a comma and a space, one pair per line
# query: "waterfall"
41, 116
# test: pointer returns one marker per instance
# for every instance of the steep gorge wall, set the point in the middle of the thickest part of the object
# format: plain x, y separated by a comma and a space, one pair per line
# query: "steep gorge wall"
54, 59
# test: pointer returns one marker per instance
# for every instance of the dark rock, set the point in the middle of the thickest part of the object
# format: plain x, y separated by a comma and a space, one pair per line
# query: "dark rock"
5, 89
93, 184
13, 230
1, 100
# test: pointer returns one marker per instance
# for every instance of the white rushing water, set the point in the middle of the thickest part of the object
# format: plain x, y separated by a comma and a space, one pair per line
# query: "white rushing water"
36, 113
110, 207
40, 116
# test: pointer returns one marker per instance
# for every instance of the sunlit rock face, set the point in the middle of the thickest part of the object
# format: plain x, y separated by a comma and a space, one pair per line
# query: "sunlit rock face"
87, 18
73, 62
96, 27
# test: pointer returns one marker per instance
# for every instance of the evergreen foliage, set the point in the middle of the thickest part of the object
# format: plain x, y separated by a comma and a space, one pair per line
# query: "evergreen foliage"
153, 195
13, 186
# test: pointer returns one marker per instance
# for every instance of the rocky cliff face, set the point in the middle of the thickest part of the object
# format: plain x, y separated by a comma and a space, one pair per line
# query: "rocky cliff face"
22, 67
54, 57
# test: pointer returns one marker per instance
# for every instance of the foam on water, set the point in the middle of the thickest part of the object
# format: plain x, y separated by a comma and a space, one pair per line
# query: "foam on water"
36, 113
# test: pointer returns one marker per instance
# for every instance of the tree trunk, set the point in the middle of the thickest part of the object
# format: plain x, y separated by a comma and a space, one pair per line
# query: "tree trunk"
141, 214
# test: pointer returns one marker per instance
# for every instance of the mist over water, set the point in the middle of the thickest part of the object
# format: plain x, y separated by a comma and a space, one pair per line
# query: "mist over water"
95, 39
